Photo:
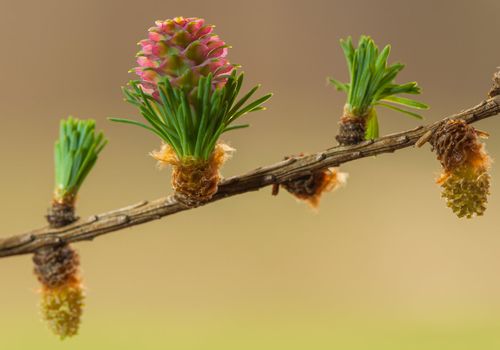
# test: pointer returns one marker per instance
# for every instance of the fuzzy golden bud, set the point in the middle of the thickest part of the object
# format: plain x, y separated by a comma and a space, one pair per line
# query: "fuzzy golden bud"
194, 181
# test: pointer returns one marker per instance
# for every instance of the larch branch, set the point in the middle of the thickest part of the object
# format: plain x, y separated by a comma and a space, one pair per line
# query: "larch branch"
254, 180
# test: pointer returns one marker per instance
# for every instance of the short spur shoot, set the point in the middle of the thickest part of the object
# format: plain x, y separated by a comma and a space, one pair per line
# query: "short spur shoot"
75, 154
188, 95
57, 267
371, 84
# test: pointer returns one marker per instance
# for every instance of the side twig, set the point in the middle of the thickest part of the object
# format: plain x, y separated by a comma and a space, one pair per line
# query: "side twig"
254, 180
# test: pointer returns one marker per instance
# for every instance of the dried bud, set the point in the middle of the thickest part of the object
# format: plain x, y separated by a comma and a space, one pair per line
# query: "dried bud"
309, 188
56, 265
457, 143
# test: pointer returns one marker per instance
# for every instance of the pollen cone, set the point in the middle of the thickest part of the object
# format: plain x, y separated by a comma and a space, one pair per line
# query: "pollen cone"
57, 269
465, 180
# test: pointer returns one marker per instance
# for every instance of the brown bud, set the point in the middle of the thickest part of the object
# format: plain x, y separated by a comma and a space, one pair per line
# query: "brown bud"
61, 214
456, 143
55, 265
351, 130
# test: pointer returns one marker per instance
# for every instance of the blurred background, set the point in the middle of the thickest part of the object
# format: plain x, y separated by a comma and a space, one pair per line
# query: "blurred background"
382, 265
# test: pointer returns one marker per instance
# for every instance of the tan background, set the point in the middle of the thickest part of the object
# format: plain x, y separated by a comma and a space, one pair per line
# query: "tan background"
384, 264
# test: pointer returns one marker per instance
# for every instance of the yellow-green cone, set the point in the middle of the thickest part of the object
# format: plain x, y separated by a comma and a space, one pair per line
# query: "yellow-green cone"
62, 307
466, 191
57, 269
465, 180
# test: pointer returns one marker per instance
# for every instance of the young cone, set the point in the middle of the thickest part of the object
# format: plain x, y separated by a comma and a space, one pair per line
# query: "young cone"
371, 84
187, 92
465, 180
183, 50
57, 267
